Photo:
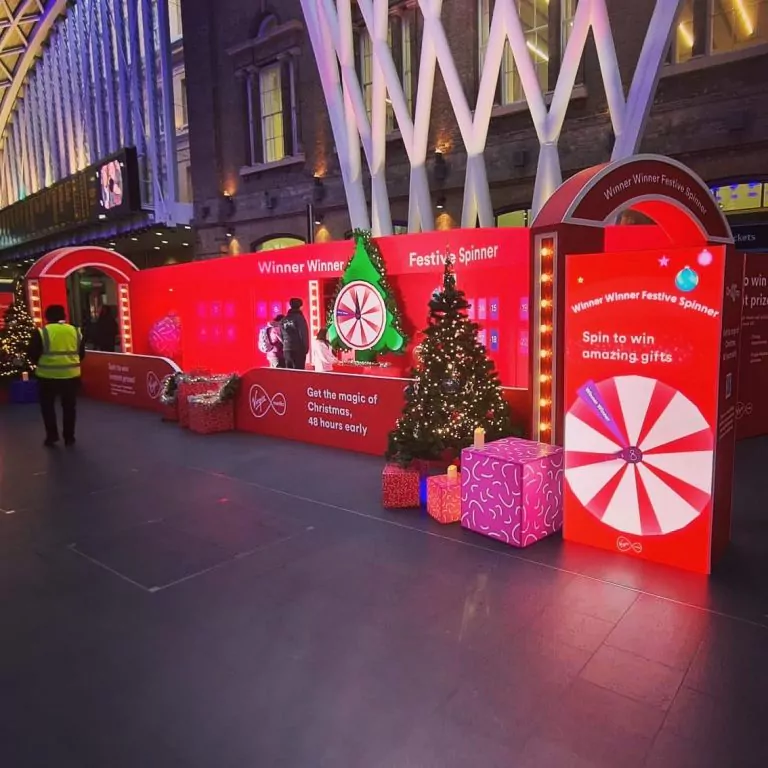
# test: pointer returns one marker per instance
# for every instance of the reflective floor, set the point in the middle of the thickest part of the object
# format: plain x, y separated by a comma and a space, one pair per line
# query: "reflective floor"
232, 602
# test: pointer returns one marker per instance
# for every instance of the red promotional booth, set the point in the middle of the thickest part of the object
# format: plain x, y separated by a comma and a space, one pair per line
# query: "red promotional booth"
752, 408
49, 282
638, 367
629, 357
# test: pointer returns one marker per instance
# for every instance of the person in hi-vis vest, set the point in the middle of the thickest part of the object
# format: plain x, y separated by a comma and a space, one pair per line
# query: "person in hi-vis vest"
57, 350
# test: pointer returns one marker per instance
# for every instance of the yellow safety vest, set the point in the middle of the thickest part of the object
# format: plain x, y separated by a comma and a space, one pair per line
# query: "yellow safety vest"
61, 352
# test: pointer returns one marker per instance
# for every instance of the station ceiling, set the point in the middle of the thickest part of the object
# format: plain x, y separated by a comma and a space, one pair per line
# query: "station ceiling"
24, 27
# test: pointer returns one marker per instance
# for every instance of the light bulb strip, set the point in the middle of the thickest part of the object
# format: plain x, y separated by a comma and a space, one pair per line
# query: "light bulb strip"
544, 341
315, 320
125, 319
35, 308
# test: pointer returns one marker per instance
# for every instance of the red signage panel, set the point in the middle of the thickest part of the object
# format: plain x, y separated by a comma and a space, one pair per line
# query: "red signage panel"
355, 413
647, 397
752, 408
133, 380
650, 178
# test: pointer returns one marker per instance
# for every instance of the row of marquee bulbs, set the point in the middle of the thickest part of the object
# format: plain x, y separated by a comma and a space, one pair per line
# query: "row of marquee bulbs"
545, 338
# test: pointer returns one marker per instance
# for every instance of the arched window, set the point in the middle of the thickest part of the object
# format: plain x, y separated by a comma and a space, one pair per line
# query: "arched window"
276, 242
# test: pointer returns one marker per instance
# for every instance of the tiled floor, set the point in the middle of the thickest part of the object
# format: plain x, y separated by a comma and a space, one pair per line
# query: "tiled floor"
231, 602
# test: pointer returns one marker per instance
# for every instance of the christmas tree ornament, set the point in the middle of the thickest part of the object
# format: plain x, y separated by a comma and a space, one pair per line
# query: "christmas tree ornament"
365, 318
686, 279
450, 386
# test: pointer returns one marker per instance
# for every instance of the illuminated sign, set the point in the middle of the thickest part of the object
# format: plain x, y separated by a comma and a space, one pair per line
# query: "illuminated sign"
650, 365
107, 190
733, 198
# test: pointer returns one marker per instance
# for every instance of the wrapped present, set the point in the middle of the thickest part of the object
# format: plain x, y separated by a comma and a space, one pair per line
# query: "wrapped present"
444, 498
400, 487
187, 389
193, 384
512, 490
24, 391
207, 414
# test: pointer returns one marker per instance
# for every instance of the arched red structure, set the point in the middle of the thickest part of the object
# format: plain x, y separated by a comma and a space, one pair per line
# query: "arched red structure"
625, 312
575, 220
46, 281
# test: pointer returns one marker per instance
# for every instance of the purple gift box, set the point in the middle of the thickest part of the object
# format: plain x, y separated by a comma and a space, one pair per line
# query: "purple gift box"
512, 490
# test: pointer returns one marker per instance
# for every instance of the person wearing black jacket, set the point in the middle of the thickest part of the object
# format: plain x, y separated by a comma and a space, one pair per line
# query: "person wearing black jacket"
104, 332
295, 332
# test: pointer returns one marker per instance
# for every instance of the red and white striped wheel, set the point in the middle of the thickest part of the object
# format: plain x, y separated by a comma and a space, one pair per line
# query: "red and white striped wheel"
360, 315
638, 455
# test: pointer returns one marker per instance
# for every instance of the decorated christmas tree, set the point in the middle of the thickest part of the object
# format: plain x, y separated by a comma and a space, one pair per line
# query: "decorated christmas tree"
15, 335
456, 387
364, 317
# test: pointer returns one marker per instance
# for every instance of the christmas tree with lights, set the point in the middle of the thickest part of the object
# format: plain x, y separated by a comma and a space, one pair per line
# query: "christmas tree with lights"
15, 336
456, 387
364, 316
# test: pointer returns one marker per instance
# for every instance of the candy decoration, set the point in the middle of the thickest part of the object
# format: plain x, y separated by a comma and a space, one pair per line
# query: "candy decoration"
639, 455
686, 279
165, 337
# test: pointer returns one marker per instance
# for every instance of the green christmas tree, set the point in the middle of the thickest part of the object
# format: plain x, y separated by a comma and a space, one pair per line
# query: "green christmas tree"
358, 316
456, 387
15, 335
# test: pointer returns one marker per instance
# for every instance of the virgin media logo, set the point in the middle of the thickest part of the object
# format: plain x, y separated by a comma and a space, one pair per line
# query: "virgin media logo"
261, 403
153, 385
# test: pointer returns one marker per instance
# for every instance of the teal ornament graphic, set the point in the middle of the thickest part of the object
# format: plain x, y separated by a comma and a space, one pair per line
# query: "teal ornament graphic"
686, 279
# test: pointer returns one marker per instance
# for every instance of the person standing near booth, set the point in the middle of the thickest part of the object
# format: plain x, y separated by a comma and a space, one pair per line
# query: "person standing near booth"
271, 343
105, 330
295, 332
322, 354
57, 349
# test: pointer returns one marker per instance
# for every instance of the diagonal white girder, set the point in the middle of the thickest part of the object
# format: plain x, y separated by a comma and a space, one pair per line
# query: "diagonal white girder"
628, 115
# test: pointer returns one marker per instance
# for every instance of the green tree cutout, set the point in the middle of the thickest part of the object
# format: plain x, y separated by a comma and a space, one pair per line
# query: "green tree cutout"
367, 265
16, 335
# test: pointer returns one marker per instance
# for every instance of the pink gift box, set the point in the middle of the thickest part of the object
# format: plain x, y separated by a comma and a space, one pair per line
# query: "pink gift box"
444, 498
512, 490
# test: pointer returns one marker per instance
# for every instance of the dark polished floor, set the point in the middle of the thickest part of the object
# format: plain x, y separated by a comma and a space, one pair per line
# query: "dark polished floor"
231, 602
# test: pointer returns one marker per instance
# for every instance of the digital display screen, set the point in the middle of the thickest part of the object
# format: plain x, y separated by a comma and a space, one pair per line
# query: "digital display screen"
107, 190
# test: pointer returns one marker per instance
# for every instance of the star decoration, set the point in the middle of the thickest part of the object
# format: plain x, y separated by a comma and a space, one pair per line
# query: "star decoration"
664, 261
581, 280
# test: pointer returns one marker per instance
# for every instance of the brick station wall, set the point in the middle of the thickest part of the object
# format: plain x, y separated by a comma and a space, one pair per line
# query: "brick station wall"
715, 119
